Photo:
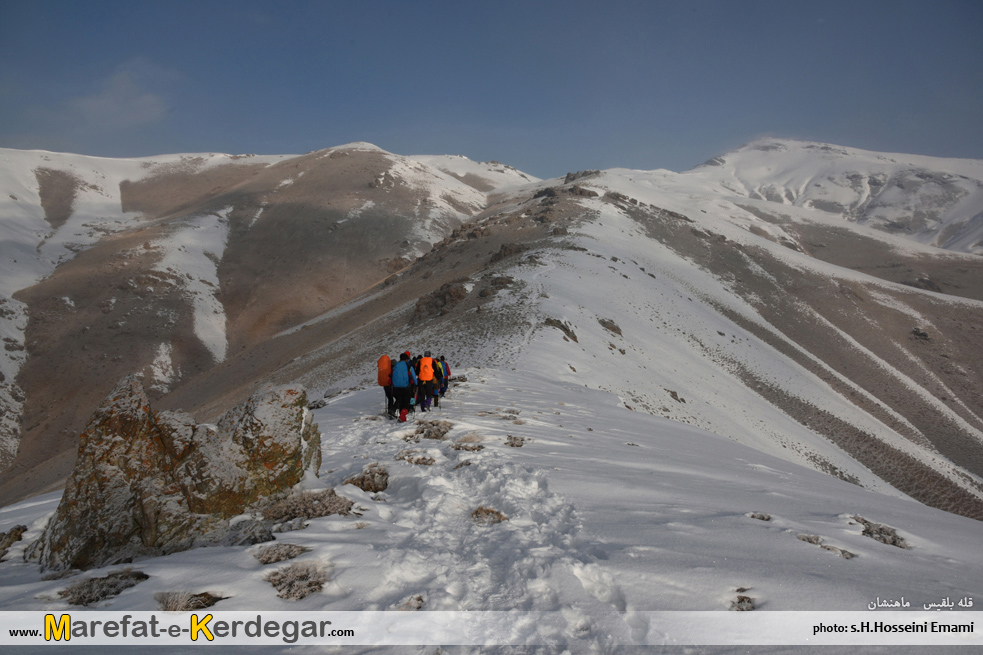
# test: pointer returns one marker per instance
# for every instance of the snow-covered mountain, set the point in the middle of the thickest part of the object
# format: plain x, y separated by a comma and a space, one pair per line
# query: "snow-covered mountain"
715, 381
931, 200
165, 265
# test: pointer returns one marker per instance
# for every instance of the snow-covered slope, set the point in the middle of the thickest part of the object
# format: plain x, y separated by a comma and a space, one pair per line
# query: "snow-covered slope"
486, 176
54, 205
610, 513
929, 199
684, 312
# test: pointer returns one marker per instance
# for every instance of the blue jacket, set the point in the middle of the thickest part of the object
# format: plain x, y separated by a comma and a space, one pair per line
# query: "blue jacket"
403, 374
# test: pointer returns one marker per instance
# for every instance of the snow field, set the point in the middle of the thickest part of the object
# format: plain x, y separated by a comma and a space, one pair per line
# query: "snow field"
192, 252
672, 342
163, 370
687, 346
611, 513
847, 181
500, 177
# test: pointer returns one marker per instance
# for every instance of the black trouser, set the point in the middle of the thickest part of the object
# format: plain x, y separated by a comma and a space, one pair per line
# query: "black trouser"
390, 400
426, 393
402, 396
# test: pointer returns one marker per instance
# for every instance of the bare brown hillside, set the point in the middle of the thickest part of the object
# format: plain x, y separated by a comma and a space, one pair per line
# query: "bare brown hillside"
288, 241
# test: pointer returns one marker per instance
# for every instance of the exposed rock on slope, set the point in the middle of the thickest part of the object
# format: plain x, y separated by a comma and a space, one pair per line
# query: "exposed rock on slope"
151, 483
440, 301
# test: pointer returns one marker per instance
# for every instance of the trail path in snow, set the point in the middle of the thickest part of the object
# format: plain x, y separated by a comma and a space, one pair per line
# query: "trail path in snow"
431, 542
429, 551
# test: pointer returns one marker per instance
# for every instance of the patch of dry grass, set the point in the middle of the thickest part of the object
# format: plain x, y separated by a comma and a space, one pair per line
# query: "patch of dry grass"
279, 553
309, 504
299, 580
487, 516
415, 457
433, 429
89, 591
184, 601
882, 533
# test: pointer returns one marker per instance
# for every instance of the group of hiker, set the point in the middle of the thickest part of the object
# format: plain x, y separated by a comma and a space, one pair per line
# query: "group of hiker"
411, 382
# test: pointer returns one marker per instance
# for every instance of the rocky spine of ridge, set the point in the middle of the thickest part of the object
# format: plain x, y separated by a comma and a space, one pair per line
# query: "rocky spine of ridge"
149, 483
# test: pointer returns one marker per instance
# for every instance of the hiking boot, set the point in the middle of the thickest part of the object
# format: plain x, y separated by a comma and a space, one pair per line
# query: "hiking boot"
402, 416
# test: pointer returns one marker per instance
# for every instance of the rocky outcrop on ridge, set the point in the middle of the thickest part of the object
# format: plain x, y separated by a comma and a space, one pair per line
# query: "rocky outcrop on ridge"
151, 483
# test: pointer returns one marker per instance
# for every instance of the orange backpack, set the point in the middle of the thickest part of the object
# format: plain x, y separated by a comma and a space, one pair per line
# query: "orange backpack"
426, 369
385, 371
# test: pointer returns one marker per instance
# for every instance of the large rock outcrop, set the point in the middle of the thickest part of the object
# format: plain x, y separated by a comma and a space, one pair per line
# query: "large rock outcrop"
151, 483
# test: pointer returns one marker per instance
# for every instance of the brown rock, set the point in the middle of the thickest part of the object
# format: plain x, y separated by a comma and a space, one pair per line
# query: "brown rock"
609, 325
9, 538
373, 479
150, 483
507, 250
440, 301
397, 264
585, 193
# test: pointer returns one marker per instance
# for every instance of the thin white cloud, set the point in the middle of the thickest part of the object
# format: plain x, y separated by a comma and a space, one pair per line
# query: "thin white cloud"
129, 98
121, 103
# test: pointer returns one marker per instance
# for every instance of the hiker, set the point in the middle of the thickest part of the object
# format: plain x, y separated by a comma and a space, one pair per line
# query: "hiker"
415, 400
438, 382
426, 375
403, 376
385, 380
445, 367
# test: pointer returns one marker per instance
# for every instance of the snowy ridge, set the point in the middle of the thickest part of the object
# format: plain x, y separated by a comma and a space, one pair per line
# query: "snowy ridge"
708, 346
932, 200
678, 343
491, 176
649, 404
609, 512
445, 199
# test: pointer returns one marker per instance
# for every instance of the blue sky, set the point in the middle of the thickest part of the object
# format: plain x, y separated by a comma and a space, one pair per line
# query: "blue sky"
548, 87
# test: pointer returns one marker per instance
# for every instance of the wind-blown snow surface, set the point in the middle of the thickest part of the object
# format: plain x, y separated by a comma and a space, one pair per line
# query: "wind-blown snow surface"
608, 510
